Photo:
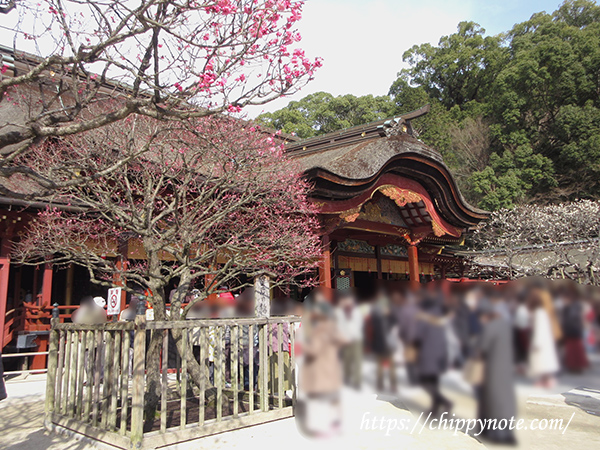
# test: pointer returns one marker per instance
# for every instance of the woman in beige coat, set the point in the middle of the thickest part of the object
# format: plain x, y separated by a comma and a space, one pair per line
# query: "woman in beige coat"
320, 377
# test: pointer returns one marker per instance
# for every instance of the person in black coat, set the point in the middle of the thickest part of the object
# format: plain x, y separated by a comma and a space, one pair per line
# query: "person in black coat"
432, 360
384, 337
496, 395
572, 323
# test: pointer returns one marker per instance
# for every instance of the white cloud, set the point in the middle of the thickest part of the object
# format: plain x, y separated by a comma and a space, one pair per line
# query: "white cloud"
362, 42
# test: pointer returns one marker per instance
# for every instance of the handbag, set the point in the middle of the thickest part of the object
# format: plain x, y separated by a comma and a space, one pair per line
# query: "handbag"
410, 353
474, 371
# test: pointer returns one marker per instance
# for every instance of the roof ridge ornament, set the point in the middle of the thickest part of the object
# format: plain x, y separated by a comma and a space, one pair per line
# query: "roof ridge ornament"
402, 124
6, 6
396, 127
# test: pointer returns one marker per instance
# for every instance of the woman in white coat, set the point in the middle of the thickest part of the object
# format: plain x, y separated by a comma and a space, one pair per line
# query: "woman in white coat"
543, 356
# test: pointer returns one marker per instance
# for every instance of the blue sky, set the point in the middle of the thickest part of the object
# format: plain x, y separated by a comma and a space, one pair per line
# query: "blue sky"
497, 16
362, 41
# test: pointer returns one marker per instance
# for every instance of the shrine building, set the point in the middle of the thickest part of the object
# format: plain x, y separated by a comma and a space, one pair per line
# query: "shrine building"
390, 208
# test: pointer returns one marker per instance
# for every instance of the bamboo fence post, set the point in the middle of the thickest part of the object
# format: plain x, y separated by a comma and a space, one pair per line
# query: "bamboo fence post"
183, 383
125, 380
203, 360
60, 370
251, 368
80, 373
139, 368
97, 373
264, 364
114, 397
280, 365
293, 361
67, 366
89, 374
164, 382
73, 373
52, 367
107, 386
235, 364
219, 375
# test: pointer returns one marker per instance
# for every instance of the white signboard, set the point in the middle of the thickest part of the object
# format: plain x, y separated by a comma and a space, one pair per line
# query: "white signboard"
114, 302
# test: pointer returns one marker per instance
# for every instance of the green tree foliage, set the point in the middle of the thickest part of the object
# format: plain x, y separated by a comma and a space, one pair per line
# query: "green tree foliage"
537, 90
321, 113
577, 145
511, 177
458, 69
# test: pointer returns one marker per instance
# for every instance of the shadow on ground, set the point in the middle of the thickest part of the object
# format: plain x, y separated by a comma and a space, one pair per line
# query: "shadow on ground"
21, 428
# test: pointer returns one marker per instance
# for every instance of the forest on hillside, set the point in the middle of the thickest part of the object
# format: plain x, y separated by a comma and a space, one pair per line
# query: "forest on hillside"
515, 115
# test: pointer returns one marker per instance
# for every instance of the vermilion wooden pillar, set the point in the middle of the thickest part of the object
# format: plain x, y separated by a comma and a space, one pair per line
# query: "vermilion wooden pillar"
413, 264
119, 280
4, 271
47, 285
39, 361
325, 266
5, 247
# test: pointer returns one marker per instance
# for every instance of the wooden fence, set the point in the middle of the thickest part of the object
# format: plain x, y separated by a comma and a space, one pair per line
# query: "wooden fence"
204, 377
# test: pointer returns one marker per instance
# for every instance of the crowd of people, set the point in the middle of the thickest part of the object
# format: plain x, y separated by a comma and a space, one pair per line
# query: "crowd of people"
492, 332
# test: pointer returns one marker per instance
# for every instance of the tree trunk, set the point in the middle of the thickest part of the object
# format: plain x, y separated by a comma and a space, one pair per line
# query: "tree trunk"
193, 367
152, 395
153, 387
153, 379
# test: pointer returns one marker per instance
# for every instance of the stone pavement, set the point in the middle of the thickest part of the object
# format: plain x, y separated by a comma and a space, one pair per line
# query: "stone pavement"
565, 401
21, 419
22, 415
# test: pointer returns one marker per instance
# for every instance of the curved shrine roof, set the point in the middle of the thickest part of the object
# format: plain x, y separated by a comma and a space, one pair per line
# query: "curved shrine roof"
349, 163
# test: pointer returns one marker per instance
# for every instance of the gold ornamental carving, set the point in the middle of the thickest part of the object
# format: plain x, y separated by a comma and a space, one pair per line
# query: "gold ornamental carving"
400, 196
351, 215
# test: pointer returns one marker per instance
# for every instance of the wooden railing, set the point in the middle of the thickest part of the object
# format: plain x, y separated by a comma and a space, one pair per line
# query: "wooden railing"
27, 318
13, 321
32, 317
204, 377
